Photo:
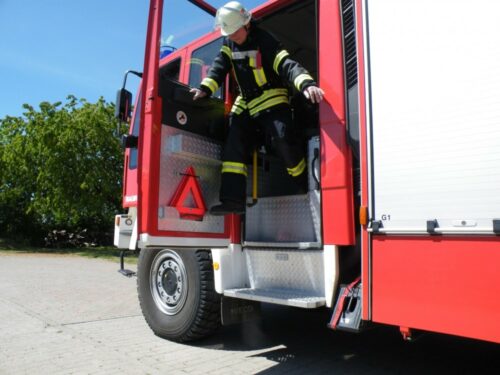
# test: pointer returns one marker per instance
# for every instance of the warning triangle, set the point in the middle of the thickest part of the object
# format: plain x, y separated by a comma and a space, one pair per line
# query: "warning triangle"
189, 188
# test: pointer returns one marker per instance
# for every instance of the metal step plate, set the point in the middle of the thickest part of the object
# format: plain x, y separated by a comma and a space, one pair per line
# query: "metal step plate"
286, 269
280, 219
285, 297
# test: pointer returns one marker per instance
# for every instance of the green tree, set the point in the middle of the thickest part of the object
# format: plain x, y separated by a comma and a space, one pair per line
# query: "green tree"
60, 167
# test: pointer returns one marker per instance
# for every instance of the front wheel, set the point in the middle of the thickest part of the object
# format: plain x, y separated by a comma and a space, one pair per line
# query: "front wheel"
176, 293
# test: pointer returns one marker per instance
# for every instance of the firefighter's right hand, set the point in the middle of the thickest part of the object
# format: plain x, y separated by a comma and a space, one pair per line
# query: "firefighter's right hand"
198, 94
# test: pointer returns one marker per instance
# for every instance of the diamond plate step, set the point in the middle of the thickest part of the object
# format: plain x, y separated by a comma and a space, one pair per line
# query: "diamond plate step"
286, 297
286, 245
280, 219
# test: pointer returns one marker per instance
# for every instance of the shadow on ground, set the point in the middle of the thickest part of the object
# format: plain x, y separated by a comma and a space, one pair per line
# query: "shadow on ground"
299, 341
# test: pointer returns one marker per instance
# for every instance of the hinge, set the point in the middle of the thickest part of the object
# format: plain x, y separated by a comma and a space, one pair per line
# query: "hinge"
149, 101
496, 226
431, 226
376, 225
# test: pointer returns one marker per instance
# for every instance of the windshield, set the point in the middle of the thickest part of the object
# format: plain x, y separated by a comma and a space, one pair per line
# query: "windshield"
183, 21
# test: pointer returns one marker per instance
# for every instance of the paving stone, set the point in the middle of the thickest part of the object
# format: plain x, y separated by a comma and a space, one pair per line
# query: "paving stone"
73, 315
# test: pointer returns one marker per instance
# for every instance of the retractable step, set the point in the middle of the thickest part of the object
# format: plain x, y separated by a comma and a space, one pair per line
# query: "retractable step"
287, 297
347, 313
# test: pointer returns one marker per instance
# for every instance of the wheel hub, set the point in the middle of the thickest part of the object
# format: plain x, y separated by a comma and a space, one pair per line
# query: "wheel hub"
168, 282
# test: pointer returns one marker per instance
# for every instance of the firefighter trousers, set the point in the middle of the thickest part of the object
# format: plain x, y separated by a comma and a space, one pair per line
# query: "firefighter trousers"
244, 137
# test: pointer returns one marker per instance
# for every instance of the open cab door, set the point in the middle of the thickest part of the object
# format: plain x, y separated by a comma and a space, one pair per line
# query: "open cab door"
179, 154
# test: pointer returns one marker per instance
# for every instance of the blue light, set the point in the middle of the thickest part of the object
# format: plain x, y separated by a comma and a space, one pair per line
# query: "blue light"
166, 50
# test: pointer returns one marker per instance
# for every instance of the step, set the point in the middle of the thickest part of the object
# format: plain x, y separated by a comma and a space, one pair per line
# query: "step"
281, 219
285, 297
285, 270
285, 245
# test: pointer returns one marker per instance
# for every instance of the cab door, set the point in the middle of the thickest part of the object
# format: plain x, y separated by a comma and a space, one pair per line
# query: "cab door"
130, 165
189, 155
171, 67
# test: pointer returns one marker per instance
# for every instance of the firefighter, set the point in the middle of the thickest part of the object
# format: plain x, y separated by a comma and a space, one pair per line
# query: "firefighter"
262, 67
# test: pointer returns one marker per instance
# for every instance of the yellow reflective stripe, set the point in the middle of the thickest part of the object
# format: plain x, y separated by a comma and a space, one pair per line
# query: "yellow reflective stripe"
266, 95
210, 83
260, 77
240, 101
234, 164
298, 169
300, 79
252, 61
233, 167
268, 104
239, 105
236, 110
226, 50
234, 170
279, 57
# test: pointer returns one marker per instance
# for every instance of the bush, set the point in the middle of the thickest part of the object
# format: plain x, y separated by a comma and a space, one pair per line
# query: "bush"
60, 167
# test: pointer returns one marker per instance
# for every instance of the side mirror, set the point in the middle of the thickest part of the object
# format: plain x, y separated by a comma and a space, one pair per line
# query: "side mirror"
123, 105
129, 141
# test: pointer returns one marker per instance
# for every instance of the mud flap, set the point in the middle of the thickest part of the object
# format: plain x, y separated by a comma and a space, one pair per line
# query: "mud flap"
235, 310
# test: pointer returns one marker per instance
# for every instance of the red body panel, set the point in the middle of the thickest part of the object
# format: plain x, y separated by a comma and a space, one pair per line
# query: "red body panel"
270, 6
447, 285
336, 168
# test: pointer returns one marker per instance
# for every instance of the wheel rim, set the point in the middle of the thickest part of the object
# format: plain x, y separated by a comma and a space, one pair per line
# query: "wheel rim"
168, 282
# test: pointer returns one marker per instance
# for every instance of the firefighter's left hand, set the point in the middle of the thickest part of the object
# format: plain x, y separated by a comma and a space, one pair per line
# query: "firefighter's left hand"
314, 94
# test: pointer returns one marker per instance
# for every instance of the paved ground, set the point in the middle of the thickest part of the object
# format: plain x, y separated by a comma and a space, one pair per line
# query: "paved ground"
65, 315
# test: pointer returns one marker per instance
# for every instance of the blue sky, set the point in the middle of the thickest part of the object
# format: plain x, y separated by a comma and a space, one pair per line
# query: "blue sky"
52, 48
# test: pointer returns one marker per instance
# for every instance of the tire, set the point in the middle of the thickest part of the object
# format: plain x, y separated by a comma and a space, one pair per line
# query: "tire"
177, 294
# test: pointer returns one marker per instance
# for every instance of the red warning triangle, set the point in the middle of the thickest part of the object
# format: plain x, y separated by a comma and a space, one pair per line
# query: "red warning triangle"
189, 186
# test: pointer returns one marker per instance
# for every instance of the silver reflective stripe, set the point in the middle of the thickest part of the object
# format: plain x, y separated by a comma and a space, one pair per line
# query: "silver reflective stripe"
243, 54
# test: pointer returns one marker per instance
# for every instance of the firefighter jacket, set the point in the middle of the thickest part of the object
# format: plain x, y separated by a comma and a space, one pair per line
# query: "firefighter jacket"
262, 69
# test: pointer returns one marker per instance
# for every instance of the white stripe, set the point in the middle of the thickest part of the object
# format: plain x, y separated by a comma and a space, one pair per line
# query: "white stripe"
240, 55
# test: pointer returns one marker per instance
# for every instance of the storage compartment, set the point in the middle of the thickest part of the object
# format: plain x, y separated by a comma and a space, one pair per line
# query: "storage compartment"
435, 134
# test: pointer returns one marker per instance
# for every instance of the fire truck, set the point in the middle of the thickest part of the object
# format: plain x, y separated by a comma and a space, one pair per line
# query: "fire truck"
401, 221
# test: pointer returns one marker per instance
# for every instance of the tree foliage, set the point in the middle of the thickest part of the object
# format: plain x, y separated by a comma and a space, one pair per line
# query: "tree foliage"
60, 167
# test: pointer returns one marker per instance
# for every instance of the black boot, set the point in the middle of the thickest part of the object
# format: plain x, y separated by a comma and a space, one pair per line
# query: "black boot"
228, 207
302, 183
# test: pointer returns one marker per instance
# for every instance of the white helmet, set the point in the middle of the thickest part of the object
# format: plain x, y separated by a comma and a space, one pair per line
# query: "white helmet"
231, 17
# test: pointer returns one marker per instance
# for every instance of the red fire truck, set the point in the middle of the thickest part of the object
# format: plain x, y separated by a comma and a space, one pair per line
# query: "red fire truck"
401, 220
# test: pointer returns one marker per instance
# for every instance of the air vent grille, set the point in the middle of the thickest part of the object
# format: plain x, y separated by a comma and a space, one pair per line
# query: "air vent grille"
349, 34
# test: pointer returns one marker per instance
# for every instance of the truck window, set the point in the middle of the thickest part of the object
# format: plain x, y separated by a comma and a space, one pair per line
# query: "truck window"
132, 164
171, 70
200, 62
